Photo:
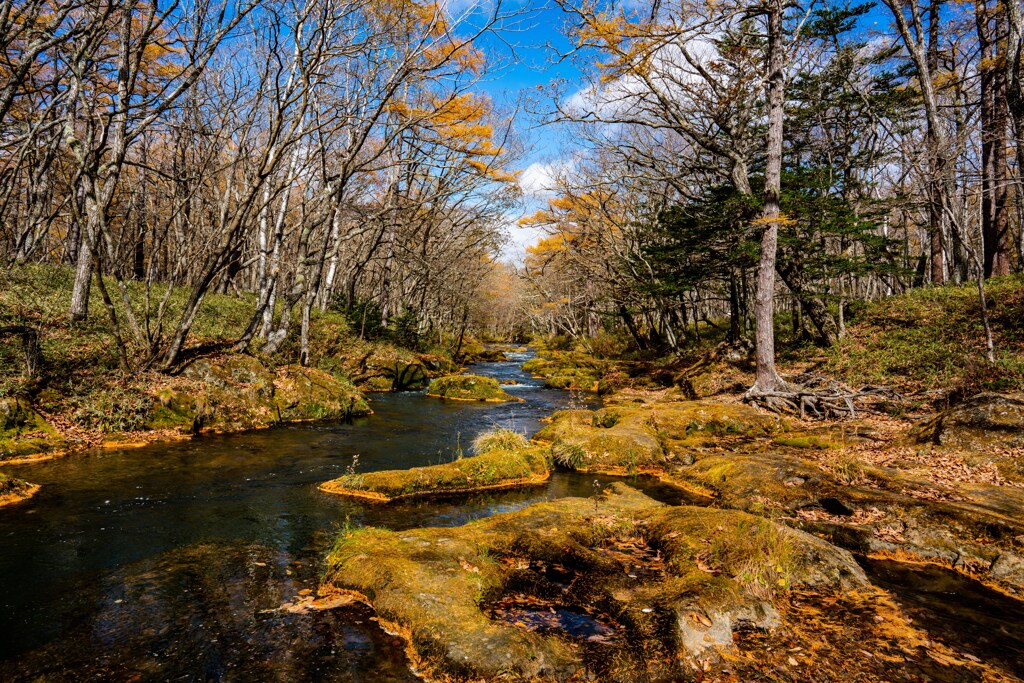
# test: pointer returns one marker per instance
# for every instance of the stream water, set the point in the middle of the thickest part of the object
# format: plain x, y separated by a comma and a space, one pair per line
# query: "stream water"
157, 563
166, 563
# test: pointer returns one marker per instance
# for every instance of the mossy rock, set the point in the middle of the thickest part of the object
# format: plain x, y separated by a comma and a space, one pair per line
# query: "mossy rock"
14, 490
303, 393
380, 383
662, 585
984, 421
567, 370
636, 437
231, 370
492, 470
238, 393
410, 377
630, 444
810, 441
24, 432
469, 388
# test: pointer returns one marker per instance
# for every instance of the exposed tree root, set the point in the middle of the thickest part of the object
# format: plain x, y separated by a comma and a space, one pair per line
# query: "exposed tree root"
815, 396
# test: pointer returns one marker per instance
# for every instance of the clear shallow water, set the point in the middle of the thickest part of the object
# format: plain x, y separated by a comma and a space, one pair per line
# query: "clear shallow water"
157, 563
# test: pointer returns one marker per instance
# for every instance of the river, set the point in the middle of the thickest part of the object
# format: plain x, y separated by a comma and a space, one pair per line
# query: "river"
159, 563
168, 562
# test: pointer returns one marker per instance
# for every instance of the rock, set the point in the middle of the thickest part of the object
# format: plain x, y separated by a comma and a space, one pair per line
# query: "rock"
302, 393
637, 436
982, 421
410, 377
230, 370
702, 631
24, 432
626, 560
1009, 567
469, 388
498, 469
13, 490
236, 393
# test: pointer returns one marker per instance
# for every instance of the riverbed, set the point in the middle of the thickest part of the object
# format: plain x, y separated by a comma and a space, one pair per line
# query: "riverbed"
170, 562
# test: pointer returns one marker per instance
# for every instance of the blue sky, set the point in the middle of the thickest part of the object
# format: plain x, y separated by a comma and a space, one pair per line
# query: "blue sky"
526, 62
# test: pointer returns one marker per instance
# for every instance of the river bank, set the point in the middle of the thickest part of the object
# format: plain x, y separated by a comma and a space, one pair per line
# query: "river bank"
78, 399
534, 601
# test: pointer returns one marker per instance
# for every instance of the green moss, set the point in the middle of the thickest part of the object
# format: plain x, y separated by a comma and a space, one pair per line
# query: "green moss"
805, 441
23, 431
493, 469
469, 388
700, 566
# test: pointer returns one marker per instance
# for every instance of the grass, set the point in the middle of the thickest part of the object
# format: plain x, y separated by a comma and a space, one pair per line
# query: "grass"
933, 340
499, 439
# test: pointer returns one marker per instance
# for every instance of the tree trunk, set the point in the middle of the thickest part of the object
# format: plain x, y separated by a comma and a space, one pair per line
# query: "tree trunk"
79, 308
994, 200
823, 320
767, 378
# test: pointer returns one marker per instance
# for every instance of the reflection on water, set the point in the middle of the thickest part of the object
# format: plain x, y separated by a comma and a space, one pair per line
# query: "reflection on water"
157, 563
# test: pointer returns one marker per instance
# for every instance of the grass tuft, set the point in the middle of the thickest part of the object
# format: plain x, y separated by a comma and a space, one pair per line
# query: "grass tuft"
499, 439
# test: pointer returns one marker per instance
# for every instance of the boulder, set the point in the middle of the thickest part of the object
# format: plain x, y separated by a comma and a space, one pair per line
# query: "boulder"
469, 388
983, 421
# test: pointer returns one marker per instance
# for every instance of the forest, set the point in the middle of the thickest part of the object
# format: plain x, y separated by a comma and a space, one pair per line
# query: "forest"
689, 336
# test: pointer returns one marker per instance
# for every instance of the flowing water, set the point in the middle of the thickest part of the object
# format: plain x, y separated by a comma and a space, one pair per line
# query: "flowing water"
159, 563
167, 563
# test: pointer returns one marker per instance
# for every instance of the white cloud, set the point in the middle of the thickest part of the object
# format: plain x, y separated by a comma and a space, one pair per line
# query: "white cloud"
539, 180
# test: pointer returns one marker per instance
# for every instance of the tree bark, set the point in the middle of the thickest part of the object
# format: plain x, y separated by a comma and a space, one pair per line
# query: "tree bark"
995, 222
767, 378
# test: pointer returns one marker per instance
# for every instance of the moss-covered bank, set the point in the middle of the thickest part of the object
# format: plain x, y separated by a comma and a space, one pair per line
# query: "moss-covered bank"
220, 394
498, 469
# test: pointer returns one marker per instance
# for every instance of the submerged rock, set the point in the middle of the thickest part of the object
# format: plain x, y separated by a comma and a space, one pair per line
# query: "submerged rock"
498, 469
469, 388
658, 586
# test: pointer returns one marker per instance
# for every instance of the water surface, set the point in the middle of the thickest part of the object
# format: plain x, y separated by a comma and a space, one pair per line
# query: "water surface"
159, 563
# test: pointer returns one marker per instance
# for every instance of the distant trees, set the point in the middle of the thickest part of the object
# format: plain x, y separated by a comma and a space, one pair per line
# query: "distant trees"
307, 154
